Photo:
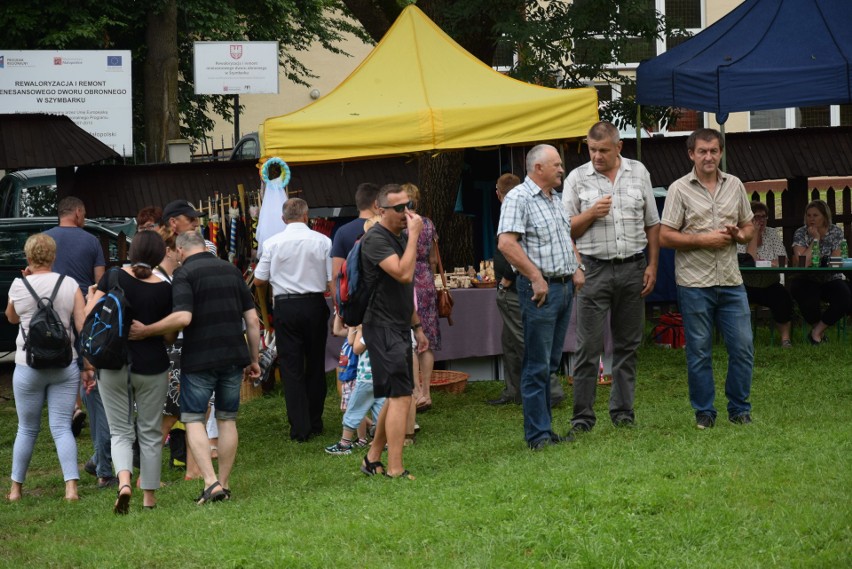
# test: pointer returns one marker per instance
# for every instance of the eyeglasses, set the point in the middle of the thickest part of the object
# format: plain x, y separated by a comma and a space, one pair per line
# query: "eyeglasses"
148, 227
763, 217
399, 208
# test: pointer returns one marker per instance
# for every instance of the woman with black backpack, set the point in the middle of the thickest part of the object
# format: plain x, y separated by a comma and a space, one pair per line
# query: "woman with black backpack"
43, 303
142, 380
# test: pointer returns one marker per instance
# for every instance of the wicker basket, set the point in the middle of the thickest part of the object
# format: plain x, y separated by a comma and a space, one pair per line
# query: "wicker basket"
248, 391
449, 381
484, 284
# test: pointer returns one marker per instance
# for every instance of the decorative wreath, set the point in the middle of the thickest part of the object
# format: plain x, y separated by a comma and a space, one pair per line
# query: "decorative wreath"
285, 171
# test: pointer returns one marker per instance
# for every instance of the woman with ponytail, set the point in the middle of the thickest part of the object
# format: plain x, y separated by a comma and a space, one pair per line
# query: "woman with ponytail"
142, 383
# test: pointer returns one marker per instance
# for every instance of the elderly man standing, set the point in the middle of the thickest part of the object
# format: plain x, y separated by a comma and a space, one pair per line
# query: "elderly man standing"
707, 213
211, 304
613, 218
297, 263
535, 236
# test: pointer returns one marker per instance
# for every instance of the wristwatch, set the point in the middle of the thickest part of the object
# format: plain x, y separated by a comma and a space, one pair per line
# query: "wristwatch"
582, 267
416, 326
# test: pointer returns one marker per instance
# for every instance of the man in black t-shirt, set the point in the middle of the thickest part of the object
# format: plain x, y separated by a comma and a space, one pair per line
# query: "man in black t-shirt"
388, 259
211, 304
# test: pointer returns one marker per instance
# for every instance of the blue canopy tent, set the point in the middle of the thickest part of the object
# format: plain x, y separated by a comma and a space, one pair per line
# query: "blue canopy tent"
764, 54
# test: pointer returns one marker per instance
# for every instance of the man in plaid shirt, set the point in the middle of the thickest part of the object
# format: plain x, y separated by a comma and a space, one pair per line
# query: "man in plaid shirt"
534, 234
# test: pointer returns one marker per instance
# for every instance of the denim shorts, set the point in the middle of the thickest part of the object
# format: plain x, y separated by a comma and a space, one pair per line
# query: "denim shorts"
197, 387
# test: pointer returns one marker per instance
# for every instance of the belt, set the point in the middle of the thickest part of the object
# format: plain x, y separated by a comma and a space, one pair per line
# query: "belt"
299, 295
560, 279
630, 259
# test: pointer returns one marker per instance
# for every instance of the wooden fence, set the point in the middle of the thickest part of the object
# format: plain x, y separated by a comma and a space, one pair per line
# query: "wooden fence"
789, 214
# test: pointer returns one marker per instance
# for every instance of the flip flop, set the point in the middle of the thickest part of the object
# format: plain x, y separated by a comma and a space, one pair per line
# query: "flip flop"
122, 504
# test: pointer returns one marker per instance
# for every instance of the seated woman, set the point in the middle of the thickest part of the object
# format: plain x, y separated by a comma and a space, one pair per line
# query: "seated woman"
766, 289
809, 290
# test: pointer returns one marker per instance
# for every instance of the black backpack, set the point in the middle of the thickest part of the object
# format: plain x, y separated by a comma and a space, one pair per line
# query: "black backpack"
104, 334
47, 345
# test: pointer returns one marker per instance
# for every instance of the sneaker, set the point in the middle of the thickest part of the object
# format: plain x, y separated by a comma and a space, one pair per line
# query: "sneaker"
743, 419
360, 443
108, 482
786, 344
704, 421
339, 449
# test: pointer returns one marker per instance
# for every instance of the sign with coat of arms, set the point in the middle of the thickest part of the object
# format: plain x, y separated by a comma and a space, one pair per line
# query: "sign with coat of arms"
235, 68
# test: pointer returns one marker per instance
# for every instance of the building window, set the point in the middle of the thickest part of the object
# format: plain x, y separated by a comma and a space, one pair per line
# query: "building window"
504, 55
824, 115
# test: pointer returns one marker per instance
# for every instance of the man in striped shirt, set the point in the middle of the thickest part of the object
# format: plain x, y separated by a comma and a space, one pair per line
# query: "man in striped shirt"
707, 213
534, 234
613, 218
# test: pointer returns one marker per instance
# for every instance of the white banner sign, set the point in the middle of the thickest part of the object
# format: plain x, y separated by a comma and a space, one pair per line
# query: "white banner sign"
93, 88
236, 68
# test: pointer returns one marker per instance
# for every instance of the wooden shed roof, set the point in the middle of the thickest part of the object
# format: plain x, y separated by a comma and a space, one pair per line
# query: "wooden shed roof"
37, 140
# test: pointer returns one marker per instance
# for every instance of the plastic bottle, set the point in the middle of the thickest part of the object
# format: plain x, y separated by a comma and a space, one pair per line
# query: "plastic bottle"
815, 253
844, 249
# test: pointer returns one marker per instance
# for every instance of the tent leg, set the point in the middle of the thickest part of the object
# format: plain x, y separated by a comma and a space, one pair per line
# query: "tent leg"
639, 133
725, 148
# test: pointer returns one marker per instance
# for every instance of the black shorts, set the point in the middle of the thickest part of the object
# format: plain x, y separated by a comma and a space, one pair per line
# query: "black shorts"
390, 358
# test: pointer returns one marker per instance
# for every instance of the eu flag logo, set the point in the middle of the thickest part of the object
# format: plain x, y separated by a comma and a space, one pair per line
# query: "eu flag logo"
113, 61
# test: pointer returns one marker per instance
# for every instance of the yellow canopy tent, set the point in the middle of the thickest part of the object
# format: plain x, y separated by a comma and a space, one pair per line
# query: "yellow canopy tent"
419, 90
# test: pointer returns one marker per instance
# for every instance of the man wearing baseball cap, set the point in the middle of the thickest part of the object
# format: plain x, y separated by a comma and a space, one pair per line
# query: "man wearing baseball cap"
181, 216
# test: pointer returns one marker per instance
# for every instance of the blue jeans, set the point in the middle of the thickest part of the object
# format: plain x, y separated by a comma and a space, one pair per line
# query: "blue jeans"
727, 306
544, 336
99, 429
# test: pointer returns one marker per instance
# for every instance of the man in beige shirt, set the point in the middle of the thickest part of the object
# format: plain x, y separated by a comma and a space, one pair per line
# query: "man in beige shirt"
706, 214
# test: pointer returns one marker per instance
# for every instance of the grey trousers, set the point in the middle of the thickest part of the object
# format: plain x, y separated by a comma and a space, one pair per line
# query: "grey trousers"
148, 393
617, 288
512, 339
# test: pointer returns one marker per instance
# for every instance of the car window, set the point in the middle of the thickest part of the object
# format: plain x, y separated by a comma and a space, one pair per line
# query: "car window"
38, 201
12, 247
246, 150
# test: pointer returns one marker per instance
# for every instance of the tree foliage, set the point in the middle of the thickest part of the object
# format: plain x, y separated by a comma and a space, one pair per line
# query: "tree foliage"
297, 25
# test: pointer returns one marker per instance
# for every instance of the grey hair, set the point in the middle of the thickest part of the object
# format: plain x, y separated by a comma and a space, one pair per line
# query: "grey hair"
603, 130
294, 209
190, 240
536, 154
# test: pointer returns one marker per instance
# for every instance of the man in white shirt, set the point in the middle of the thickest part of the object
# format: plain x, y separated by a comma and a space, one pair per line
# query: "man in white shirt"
297, 263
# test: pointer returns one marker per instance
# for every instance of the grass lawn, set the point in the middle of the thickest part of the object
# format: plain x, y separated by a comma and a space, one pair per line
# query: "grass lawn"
775, 493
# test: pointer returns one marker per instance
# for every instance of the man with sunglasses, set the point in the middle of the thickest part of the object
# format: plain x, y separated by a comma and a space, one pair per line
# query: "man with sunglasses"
535, 236
388, 259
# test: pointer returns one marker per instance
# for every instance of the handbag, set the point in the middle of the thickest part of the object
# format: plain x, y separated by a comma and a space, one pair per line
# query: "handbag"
445, 299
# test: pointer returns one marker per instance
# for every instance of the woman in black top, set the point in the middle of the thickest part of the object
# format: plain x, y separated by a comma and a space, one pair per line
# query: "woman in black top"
146, 381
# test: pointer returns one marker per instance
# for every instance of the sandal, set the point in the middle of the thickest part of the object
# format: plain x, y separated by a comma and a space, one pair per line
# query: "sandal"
372, 468
423, 405
403, 475
210, 494
122, 504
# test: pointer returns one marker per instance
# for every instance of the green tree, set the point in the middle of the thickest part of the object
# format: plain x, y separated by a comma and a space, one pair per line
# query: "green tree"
160, 35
